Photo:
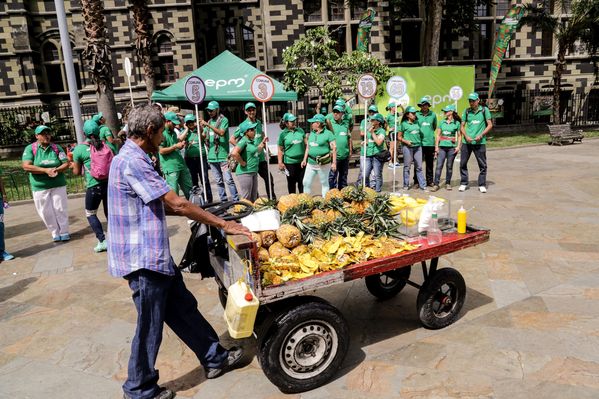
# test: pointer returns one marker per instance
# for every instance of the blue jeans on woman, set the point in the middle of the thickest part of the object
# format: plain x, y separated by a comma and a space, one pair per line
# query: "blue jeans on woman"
373, 163
412, 154
323, 175
445, 153
223, 175
338, 178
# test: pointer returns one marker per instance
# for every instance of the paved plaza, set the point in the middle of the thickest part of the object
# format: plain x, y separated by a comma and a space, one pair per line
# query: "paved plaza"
530, 327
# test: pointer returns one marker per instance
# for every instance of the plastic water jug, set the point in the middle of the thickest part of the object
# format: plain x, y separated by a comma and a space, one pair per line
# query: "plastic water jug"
241, 309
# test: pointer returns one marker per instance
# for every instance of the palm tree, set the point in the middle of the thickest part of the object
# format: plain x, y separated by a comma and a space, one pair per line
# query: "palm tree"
97, 55
143, 42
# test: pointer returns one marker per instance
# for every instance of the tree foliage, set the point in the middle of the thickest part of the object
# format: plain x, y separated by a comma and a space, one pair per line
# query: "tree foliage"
312, 61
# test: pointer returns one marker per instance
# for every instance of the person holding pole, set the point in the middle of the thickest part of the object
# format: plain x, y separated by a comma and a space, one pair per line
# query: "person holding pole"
392, 137
320, 156
338, 178
427, 120
173, 166
375, 144
364, 126
195, 154
410, 137
292, 146
447, 145
247, 155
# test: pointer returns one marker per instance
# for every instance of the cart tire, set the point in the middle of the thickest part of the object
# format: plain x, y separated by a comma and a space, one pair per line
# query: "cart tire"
304, 347
387, 285
222, 296
441, 298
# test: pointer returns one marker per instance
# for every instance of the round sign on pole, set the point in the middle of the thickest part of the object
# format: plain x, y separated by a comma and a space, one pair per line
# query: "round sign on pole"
195, 90
367, 86
396, 87
128, 68
263, 88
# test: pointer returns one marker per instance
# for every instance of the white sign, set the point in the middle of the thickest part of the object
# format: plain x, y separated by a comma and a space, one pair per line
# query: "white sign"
367, 86
396, 87
195, 90
128, 68
455, 93
263, 88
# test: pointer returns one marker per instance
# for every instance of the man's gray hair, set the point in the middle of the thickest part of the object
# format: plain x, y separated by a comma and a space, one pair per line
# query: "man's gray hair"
140, 118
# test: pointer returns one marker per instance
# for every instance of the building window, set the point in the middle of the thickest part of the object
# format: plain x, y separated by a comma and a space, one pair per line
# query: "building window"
481, 43
336, 10
56, 77
410, 41
165, 58
502, 7
338, 34
231, 39
249, 48
482, 10
547, 43
312, 10
357, 9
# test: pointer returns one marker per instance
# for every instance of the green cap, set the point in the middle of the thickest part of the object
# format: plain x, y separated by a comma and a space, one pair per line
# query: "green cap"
323, 110
448, 108
473, 96
212, 105
339, 108
317, 118
391, 105
373, 108
96, 118
378, 117
424, 100
41, 128
289, 117
340, 102
171, 116
410, 109
249, 105
91, 128
245, 126
189, 118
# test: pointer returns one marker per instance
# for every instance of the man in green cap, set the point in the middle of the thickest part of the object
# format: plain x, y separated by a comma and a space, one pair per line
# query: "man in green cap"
427, 120
173, 166
106, 134
195, 154
347, 114
338, 177
250, 112
476, 124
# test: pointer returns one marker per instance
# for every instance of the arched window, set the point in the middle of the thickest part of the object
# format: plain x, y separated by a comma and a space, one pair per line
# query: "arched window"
55, 73
249, 49
231, 39
165, 58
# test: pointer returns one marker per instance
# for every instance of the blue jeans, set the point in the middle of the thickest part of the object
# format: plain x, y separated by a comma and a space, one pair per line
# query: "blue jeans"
223, 175
373, 163
412, 154
323, 175
194, 164
338, 179
445, 153
163, 299
480, 153
2, 244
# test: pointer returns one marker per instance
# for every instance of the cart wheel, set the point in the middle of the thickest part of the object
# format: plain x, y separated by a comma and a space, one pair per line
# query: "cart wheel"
222, 296
304, 347
441, 298
387, 285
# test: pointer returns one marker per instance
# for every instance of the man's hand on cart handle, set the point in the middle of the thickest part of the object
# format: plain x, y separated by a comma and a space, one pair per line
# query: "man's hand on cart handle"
231, 227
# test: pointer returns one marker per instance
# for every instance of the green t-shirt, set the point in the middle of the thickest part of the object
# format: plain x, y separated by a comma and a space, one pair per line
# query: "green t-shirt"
371, 147
257, 139
249, 153
391, 122
293, 145
411, 132
428, 126
447, 136
173, 161
319, 145
341, 139
82, 155
346, 120
45, 158
105, 132
218, 146
192, 150
475, 122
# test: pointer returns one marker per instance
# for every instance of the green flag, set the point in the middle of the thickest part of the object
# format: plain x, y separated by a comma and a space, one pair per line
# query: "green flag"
363, 38
508, 26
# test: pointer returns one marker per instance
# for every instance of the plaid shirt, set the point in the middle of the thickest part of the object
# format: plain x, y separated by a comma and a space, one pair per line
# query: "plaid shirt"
137, 231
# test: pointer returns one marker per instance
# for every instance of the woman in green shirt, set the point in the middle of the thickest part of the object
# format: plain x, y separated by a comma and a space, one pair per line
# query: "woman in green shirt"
375, 144
292, 146
46, 163
447, 145
320, 156
195, 153
410, 137
247, 154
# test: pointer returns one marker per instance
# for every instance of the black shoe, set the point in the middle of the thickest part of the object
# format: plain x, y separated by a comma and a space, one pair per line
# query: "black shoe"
163, 393
232, 360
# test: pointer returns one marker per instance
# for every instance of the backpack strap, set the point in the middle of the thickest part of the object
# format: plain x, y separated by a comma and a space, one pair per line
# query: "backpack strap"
35, 145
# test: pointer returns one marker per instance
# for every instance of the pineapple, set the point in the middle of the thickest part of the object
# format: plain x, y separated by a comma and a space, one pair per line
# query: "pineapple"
360, 207
277, 250
318, 217
305, 199
289, 236
300, 250
263, 255
258, 239
333, 193
263, 203
268, 238
346, 192
287, 202
370, 194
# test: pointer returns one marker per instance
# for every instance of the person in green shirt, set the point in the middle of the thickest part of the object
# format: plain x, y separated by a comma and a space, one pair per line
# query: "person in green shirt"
292, 146
96, 190
173, 166
476, 124
196, 158
427, 120
392, 137
375, 144
106, 134
364, 126
348, 119
447, 145
320, 156
46, 163
410, 137
247, 154
338, 178
3, 202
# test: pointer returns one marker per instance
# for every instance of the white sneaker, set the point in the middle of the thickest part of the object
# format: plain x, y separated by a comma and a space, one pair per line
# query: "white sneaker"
463, 187
482, 189
390, 166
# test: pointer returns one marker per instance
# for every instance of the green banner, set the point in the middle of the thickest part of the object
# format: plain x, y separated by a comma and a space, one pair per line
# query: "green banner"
442, 85
363, 37
508, 27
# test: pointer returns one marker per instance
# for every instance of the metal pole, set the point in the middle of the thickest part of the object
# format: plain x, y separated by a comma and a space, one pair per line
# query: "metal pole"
130, 91
269, 188
364, 144
396, 149
67, 56
201, 145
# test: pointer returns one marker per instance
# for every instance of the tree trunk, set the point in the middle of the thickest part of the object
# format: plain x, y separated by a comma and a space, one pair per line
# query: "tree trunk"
433, 10
97, 55
557, 83
143, 43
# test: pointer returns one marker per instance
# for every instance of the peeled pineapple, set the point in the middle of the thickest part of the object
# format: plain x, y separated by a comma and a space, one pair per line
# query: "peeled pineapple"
289, 236
300, 250
258, 238
268, 238
263, 255
277, 250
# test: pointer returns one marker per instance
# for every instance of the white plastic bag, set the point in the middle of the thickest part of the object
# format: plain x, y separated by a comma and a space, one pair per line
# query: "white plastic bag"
434, 205
269, 219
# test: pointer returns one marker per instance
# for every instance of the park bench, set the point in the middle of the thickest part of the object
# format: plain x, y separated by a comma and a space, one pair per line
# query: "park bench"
562, 133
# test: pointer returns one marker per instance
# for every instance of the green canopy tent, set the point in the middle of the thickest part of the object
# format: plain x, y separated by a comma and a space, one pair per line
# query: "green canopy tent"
227, 78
